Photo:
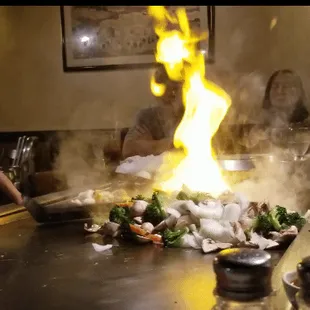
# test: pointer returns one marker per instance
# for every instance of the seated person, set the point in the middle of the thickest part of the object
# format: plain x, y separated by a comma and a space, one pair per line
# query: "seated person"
284, 100
155, 126
284, 105
7, 187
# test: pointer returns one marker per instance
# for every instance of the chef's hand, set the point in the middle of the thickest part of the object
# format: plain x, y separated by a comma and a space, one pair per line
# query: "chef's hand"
18, 199
8, 188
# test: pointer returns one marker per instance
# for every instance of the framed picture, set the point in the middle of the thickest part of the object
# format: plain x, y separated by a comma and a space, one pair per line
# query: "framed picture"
107, 37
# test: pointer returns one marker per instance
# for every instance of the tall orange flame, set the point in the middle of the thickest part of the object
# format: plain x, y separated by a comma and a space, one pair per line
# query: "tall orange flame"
205, 103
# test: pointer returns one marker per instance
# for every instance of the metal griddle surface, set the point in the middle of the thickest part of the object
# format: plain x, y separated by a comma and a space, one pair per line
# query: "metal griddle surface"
56, 267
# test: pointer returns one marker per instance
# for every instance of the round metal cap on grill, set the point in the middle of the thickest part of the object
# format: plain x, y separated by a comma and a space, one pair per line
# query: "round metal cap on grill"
243, 274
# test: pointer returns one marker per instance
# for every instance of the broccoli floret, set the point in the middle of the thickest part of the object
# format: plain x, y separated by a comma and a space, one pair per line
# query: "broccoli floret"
154, 212
182, 196
262, 224
126, 233
173, 238
295, 219
281, 219
277, 217
160, 198
119, 215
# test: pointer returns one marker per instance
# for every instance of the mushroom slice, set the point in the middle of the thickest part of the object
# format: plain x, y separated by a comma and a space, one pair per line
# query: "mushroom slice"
182, 206
169, 222
147, 226
293, 230
111, 229
138, 220
262, 242
239, 233
193, 228
93, 228
142, 239
184, 221
287, 235
223, 245
161, 226
138, 208
208, 247
256, 208
247, 244
173, 212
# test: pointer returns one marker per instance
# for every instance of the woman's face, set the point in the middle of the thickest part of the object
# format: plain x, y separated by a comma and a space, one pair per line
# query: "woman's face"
285, 91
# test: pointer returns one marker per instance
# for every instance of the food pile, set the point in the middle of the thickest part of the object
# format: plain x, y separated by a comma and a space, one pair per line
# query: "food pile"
91, 197
197, 220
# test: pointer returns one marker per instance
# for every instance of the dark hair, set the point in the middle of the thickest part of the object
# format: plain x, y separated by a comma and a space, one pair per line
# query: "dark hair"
300, 112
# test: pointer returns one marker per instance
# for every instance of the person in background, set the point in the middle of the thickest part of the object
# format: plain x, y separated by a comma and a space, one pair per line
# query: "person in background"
155, 126
284, 101
7, 187
284, 105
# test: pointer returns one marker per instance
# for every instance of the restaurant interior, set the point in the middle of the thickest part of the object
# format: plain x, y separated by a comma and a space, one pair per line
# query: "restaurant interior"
74, 79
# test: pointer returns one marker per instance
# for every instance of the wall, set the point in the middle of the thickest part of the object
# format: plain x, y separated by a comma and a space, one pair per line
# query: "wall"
37, 95
250, 50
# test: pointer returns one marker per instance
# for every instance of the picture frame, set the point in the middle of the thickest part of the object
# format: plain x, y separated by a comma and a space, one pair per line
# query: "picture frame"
109, 37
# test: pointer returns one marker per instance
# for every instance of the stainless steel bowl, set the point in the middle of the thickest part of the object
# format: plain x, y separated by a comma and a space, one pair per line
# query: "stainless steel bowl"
236, 163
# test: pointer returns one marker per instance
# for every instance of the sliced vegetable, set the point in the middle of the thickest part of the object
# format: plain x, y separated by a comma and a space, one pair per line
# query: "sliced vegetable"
149, 227
277, 217
138, 230
119, 215
154, 237
262, 224
139, 197
138, 208
182, 196
173, 238
154, 212
295, 219
125, 204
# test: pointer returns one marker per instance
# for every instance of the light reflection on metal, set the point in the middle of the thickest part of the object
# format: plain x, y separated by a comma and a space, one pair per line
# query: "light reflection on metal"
196, 289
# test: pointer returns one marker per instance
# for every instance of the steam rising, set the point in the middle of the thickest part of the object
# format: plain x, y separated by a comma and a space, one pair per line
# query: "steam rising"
279, 183
81, 158
273, 180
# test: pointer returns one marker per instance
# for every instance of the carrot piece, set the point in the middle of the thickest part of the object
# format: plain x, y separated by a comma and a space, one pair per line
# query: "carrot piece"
137, 230
125, 204
154, 238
